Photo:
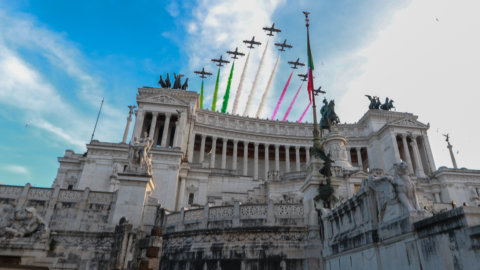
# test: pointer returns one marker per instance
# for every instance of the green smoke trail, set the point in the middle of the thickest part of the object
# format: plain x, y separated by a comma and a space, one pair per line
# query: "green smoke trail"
201, 96
227, 92
215, 94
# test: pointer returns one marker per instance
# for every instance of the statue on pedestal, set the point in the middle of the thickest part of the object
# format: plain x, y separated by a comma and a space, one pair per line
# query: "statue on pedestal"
138, 154
328, 115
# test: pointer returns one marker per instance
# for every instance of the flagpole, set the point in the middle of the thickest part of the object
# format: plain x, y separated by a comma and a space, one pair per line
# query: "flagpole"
317, 142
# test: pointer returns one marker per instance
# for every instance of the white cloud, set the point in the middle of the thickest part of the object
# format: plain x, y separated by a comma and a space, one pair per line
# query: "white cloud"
427, 61
17, 169
25, 87
219, 26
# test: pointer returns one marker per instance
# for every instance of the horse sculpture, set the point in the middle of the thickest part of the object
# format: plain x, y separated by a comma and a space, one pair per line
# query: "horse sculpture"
388, 105
329, 117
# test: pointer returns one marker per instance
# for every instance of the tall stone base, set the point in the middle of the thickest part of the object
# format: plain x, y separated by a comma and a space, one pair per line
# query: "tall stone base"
133, 190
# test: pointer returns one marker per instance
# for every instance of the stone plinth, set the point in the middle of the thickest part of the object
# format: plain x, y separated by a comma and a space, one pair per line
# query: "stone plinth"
335, 144
133, 190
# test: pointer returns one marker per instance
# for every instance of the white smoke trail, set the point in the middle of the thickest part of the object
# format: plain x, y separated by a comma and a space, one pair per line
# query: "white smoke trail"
250, 96
240, 85
267, 90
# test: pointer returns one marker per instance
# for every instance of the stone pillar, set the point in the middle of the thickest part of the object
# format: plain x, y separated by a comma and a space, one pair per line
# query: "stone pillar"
406, 153
234, 158
245, 158
395, 147
287, 158
429, 155
307, 153
179, 130
277, 157
297, 158
418, 162
359, 157
267, 149
177, 133
202, 149
349, 154
224, 153
127, 128
137, 130
151, 133
454, 162
181, 195
255, 162
165, 130
212, 152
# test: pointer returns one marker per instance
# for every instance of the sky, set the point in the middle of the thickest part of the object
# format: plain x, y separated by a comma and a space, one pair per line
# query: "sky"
58, 59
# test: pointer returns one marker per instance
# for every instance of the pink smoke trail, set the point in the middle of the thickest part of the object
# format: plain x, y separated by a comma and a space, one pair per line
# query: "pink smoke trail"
303, 114
281, 97
291, 104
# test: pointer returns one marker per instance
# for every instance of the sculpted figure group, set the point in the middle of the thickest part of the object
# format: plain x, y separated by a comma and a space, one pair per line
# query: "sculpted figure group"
177, 83
26, 223
375, 103
138, 154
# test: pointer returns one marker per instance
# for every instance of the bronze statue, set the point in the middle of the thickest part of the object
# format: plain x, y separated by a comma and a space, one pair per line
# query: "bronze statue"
177, 84
374, 102
161, 82
328, 115
185, 84
167, 82
388, 105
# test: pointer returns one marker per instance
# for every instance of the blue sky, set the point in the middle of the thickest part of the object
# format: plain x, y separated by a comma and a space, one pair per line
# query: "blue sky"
59, 58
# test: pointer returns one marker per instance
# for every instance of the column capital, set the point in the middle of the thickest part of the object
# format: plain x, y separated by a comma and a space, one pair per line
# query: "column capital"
256, 144
277, 146
266, 145
155, 114
224, 141
203, 136
235, 141
168, 114
297, 147
214, 138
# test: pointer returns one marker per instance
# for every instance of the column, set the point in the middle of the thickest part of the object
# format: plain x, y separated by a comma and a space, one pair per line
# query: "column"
395, 147
406, 153
307, 154
153, 125
277, 157
224, 153
426, 142
297, 158
234, 158
202, 149
181, 197
255, 162
212, 152
165, 129
287, 158
416, 155
349, 155
245, 158
266, 160
177, 133
359, 158
137, 130
127, 128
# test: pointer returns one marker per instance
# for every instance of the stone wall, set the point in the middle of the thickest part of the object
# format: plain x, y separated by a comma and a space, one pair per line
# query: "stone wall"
249, 236
363, 233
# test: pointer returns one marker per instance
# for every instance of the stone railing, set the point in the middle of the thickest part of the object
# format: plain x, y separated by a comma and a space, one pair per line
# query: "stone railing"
237, 215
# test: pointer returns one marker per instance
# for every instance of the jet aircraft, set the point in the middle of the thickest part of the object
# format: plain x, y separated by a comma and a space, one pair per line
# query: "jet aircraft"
252, 43
220, 61
271, 30
296, 63
283, 45
235, 53
203, 73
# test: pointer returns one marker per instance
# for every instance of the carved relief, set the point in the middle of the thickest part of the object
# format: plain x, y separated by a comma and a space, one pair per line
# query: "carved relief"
26, 223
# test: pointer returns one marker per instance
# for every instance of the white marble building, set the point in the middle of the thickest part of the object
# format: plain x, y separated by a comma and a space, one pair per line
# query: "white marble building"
200, 156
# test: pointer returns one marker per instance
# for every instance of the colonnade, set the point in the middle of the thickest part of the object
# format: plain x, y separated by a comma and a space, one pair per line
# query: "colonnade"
302, 154
414, 155
163, 127
358, 152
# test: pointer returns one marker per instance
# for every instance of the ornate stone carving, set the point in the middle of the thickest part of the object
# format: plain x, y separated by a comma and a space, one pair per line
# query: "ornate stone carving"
26, 223
394, 196
139, 159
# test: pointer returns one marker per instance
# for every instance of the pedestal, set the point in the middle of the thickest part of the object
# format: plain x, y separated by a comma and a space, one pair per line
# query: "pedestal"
132, 193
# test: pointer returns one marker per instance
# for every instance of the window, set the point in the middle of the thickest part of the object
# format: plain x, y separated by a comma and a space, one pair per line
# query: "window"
190, 198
